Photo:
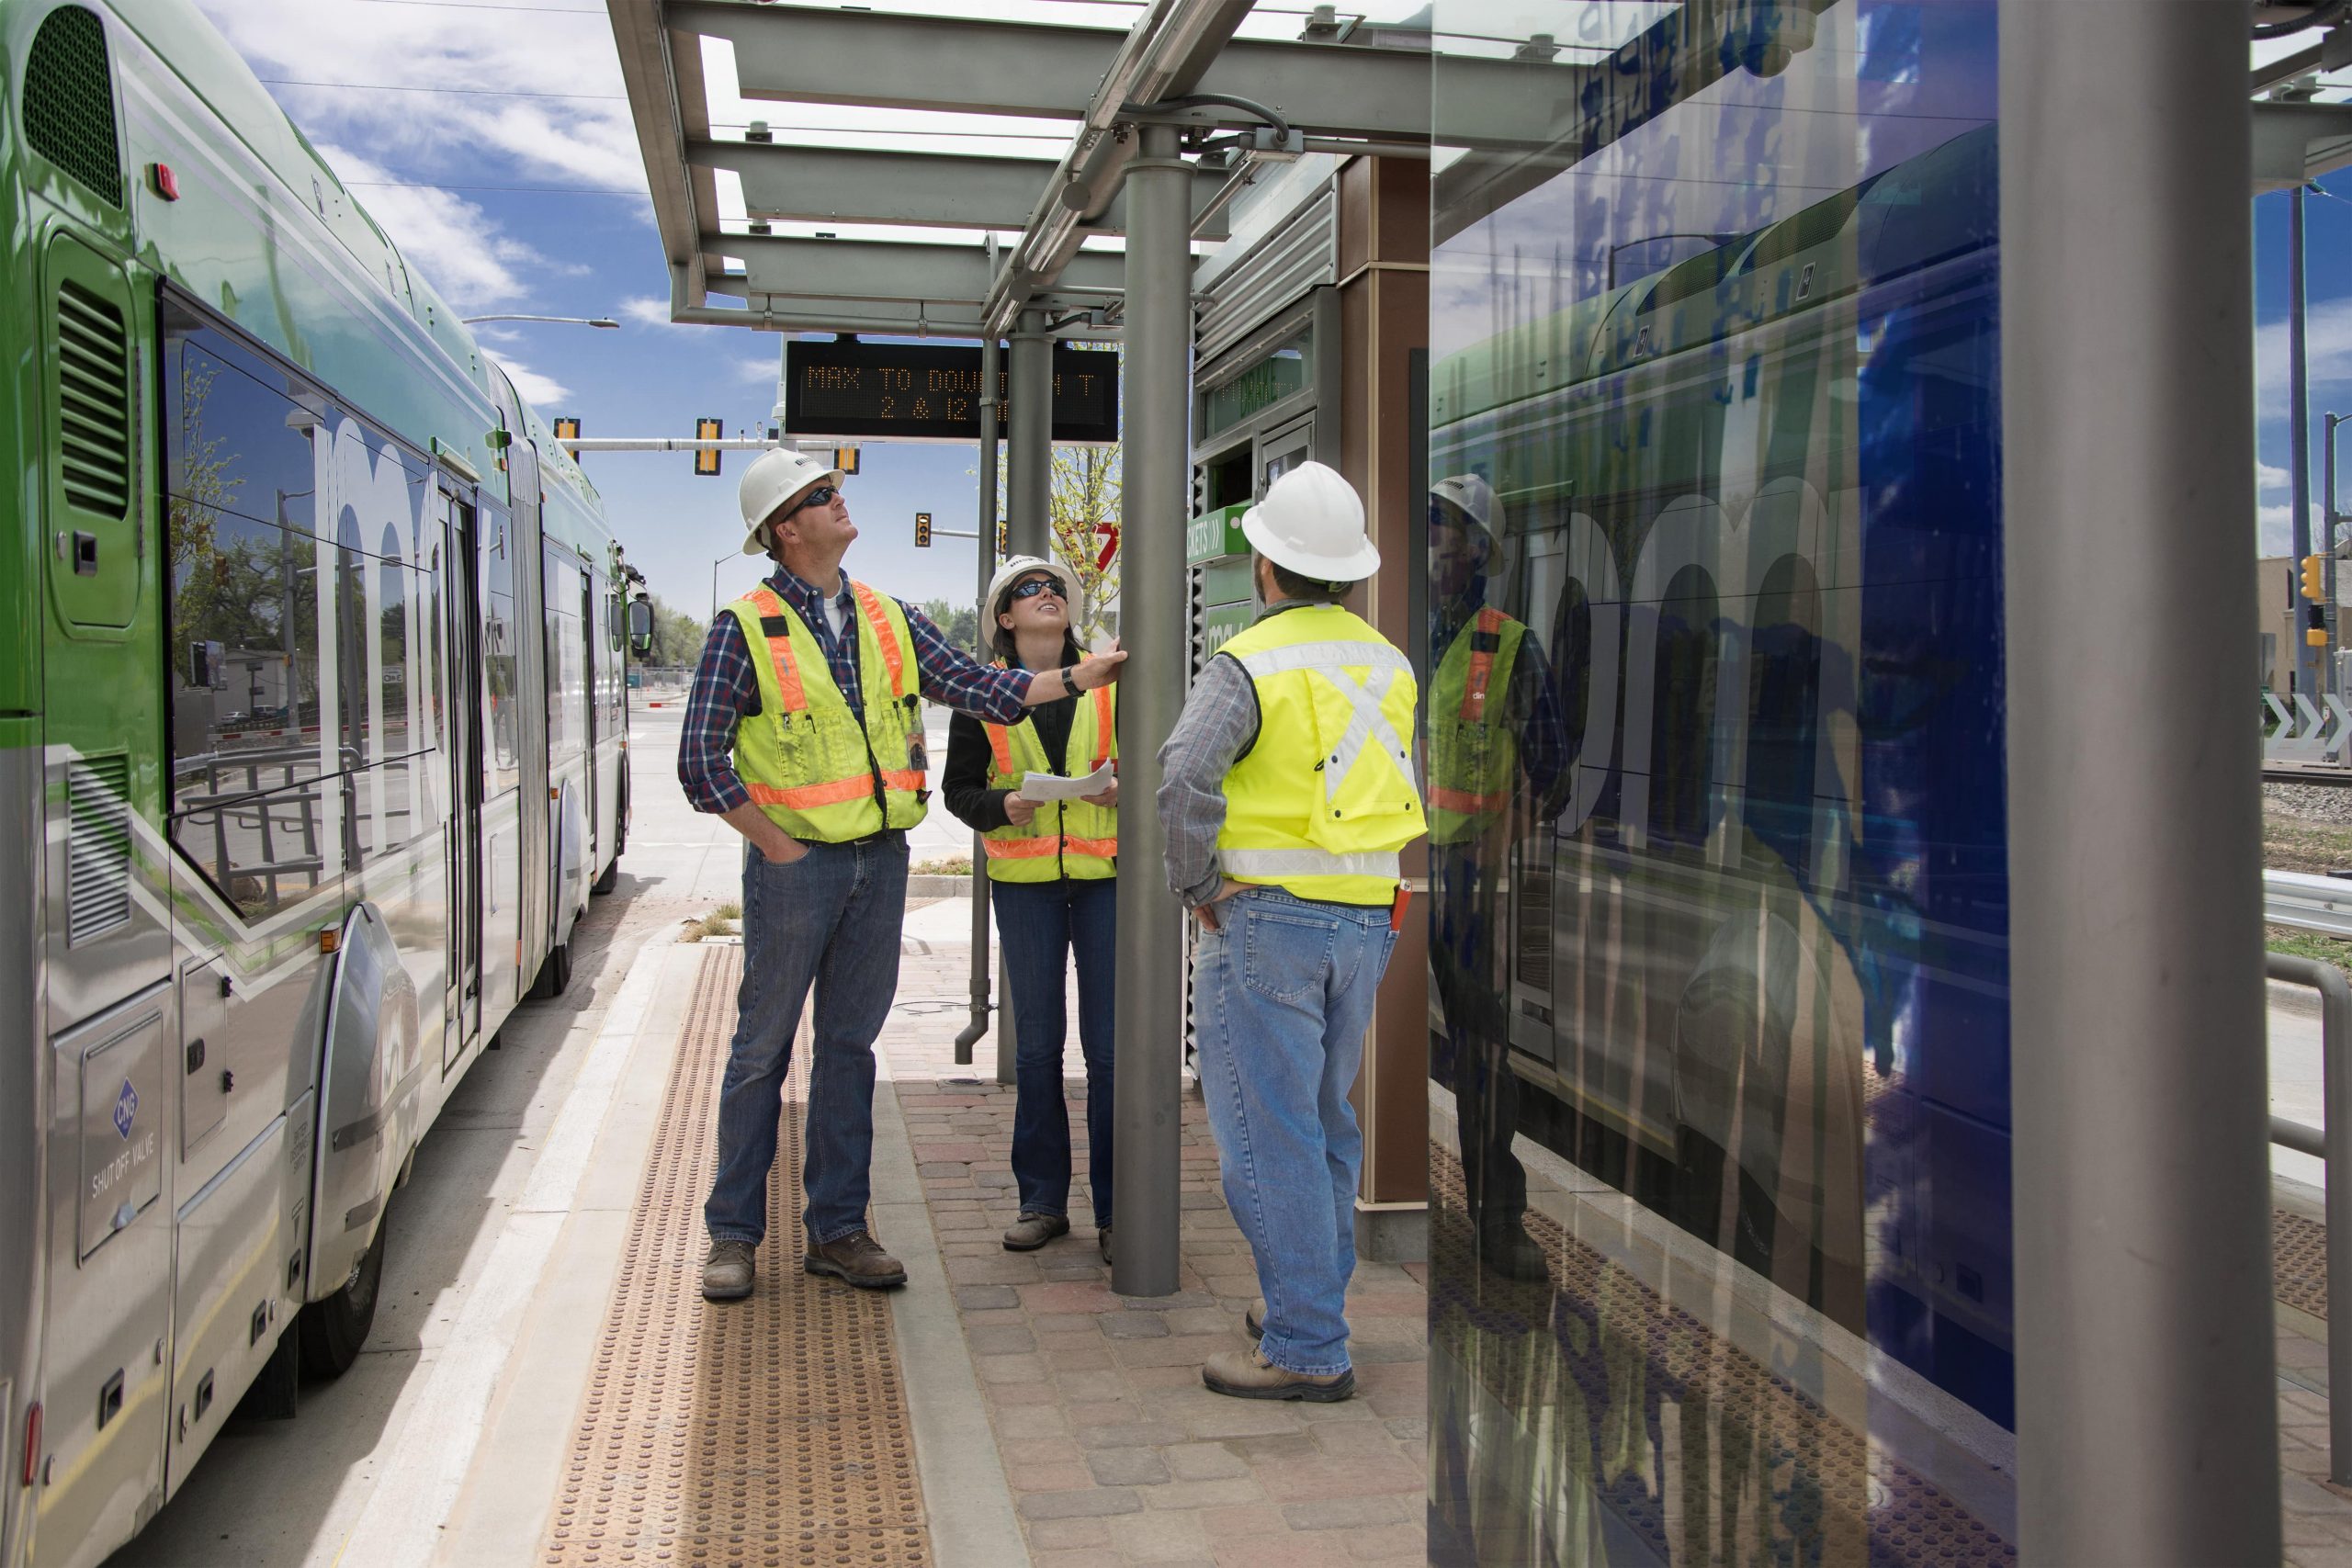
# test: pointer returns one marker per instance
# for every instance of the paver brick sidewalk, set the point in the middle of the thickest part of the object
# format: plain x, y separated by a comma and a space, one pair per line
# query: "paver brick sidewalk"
1115, 1454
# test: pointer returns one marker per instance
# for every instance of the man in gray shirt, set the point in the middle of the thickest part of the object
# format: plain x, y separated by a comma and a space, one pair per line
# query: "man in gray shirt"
1287, 791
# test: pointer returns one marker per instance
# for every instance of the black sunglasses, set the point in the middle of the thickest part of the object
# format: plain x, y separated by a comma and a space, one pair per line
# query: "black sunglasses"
821, 496
1035, 586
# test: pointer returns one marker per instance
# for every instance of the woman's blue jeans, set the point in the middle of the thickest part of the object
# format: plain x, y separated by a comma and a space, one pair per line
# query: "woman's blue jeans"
830, 920
1282, 996
1041, 924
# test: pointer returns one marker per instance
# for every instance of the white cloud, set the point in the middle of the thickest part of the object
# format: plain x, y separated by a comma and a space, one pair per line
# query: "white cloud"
542, 392
648, 312
578, 133
2327, 336
447, 240
2274, 527
759, 371
2268, 478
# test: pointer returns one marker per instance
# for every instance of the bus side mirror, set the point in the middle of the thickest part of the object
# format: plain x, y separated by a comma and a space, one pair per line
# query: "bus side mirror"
641, 627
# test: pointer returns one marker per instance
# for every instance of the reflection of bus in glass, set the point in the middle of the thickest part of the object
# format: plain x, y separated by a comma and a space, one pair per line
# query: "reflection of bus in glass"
311, 729
1758, 966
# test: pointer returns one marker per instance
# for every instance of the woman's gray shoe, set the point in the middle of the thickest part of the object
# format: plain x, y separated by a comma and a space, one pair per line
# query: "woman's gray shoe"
1031, 1232
726, 1272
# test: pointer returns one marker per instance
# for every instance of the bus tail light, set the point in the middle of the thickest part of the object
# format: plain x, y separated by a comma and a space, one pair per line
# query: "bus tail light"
32, 1441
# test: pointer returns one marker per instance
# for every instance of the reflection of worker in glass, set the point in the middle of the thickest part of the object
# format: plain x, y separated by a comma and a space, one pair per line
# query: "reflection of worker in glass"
1497, 757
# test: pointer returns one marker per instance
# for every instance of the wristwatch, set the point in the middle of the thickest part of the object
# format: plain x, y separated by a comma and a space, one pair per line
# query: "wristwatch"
1070, 680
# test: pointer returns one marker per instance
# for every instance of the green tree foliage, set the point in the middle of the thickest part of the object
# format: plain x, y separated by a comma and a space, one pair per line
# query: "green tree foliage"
959, 622
677, 637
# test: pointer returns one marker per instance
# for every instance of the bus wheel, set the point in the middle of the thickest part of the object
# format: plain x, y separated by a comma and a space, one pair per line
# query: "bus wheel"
612, 874
554, 974
333, 1330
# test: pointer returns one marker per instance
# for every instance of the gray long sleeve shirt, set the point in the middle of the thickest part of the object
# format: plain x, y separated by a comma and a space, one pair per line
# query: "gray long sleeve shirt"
1217, 728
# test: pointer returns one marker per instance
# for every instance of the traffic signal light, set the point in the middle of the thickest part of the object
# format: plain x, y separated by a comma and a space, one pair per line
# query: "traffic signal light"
706, 458
845, 459
2315, 578
1003, 548
922, 530
567, 430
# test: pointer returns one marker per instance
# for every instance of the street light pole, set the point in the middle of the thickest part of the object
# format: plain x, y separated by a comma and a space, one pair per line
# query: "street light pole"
714, 584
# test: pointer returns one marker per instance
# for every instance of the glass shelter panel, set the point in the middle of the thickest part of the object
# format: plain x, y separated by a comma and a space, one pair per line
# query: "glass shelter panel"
1720, 1150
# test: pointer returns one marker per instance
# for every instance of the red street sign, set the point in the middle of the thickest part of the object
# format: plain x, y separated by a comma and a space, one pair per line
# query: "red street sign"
1110, 532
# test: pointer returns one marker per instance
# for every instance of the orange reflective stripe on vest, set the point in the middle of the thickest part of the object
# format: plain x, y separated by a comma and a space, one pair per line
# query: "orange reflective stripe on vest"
893, 657
999, 748
1482, 669
1045, 845
1105, 727
787, 669
1464, 801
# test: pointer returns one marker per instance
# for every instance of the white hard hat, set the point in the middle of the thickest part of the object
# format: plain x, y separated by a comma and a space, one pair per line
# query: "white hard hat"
1019, 567
1312, 522
773, 479
1472, 495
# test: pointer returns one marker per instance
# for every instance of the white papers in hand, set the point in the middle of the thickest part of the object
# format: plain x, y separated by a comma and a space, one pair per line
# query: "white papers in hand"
1053, 787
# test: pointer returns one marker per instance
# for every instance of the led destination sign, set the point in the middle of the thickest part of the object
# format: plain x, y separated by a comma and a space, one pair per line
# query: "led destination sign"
932, 391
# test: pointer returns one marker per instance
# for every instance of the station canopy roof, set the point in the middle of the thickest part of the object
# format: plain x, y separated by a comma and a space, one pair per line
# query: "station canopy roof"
869, 169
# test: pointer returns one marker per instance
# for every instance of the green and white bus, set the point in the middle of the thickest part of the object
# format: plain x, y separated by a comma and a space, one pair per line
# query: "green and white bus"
312, 750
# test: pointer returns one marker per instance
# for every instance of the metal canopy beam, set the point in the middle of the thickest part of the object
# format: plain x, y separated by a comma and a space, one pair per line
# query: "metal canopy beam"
877, 269
2294, 143
938, 190
804, 55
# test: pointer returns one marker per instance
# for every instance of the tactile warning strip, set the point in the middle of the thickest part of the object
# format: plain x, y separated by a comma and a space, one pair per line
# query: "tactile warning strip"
2299, 1262
1757, 1470
767, 1431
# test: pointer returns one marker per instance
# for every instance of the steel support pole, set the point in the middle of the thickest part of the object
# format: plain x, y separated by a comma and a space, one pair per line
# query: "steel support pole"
984, 552
1148, 1114
2308, 615
1029, 448
2146, 1400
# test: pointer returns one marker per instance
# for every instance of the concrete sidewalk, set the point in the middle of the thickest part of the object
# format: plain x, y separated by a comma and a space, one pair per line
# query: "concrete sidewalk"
1115, 1451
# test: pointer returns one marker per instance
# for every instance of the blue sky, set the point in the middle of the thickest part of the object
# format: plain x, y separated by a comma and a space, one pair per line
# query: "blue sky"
501, 195
2328, 304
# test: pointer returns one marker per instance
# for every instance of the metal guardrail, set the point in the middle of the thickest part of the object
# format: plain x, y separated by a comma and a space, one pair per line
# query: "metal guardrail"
2307, 903
2333, 1145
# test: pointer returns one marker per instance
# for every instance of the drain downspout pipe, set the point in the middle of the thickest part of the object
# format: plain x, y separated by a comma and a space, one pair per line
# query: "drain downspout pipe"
1147, 1105
1029, 445
2146, 1391
984, 548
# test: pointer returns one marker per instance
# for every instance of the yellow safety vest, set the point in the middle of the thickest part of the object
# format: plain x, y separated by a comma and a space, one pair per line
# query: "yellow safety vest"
810, 764
1066, 838
1326, 797
1474, 756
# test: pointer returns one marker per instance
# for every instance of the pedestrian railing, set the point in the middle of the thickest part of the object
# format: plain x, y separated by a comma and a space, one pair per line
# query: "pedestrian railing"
2332, 1144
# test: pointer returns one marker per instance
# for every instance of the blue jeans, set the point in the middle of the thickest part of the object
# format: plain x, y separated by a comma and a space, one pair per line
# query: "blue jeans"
830, 919
1281, 996
1043, 923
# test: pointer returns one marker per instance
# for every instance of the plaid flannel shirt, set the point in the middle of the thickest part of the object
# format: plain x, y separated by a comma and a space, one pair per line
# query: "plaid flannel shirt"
726, 688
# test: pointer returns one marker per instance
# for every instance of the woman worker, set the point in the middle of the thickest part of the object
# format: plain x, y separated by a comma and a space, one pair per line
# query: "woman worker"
1051, 870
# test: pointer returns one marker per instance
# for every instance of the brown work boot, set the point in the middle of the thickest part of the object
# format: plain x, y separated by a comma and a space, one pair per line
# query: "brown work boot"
856, 1257
1032, 1231
726, 1272
1246, 1374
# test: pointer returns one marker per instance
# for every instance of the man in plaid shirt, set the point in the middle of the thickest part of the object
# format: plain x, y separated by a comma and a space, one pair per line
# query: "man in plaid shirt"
817, 911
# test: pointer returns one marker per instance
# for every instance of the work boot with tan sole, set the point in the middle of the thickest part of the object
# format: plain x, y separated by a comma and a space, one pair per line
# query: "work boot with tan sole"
1246, 1374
